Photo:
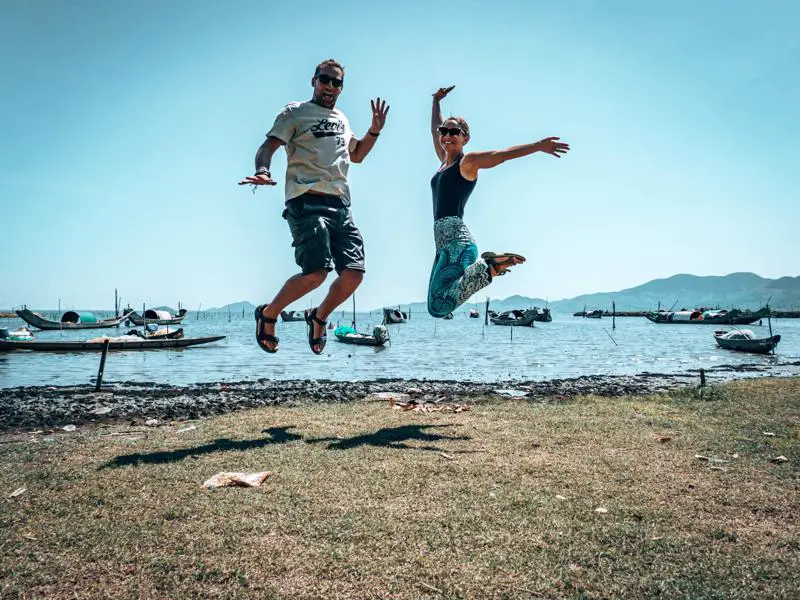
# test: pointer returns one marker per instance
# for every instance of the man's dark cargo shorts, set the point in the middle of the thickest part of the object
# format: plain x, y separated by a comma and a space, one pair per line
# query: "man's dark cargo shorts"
323, 234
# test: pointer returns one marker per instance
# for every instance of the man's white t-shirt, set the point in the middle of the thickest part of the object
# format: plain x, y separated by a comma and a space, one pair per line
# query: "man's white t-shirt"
318, 144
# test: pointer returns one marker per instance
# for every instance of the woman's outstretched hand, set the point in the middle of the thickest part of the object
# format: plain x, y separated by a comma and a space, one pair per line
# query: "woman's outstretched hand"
442, 92
552, 146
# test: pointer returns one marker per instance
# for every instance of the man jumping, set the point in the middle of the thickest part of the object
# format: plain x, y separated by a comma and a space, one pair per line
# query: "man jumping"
320, 147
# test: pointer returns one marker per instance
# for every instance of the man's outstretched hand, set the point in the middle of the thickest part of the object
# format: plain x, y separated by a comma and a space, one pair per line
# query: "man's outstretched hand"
258, 180
379, 111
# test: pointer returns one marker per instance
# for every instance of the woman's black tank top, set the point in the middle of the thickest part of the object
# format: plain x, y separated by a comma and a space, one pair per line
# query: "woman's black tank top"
450, 191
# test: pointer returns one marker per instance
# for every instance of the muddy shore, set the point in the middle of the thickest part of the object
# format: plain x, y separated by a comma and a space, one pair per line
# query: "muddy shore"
47, 406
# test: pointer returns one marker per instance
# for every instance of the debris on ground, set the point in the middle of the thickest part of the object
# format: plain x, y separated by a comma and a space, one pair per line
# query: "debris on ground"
229, 479
17, 492
423, 406
511, 393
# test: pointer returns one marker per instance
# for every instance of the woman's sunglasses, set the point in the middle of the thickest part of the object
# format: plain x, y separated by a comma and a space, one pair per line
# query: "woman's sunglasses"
449, 131
326, 79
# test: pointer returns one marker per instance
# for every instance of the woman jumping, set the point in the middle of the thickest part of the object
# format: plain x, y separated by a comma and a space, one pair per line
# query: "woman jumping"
457, 273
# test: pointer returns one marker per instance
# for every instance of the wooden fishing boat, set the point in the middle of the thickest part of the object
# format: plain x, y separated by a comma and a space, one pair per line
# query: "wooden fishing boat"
594, 314
448, 316
542, 315
744, 340
474, 314
708, 317
69, 320
157, 317
394, 315
96, 345
293, 315
517, 318
348, 335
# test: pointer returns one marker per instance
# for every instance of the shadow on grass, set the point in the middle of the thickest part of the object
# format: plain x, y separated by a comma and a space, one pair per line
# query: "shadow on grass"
390, 437
277, 435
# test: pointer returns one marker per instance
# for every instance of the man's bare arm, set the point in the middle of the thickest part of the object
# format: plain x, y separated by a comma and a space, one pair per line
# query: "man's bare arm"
263, 162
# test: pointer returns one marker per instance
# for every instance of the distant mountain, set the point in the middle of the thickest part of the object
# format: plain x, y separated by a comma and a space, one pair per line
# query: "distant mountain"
236, 307
742, 290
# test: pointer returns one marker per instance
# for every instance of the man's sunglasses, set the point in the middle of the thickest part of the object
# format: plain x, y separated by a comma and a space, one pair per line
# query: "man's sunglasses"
449, 130
326, 79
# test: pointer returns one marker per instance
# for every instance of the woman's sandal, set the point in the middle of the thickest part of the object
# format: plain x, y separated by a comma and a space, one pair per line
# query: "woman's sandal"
496, 260
311, 316
262, 337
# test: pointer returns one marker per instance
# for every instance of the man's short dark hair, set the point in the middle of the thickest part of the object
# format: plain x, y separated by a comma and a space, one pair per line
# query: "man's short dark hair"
328, 63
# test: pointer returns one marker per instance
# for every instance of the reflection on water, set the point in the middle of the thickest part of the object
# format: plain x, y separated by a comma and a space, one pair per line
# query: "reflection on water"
423, 348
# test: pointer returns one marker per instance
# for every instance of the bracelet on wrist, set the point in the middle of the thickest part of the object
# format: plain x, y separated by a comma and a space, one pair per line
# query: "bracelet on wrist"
373, 134
263, 171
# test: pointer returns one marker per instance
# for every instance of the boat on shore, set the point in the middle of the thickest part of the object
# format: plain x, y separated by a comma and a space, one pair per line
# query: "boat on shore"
69, 320
119, 343
704, 316
744, 340
394, 315
158, 317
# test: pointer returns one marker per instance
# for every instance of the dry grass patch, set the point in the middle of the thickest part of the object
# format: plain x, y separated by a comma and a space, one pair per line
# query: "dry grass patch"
366, 502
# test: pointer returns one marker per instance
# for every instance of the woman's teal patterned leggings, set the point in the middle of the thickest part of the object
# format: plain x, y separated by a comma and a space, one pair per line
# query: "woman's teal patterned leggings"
457, 273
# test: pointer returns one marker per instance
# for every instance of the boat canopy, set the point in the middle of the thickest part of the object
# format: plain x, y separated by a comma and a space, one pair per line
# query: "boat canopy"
739, 334
72, 316
156, 314
686, 315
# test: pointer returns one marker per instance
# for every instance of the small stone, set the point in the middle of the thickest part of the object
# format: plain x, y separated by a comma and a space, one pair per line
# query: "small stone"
768, 433
151, 422
601, 509
102, 410
780, 459
69, 428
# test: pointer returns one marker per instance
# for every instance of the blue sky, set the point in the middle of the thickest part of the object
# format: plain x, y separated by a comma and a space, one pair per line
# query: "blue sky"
126, 126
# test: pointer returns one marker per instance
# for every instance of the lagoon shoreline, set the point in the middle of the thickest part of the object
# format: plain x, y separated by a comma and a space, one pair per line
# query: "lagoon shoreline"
25, 408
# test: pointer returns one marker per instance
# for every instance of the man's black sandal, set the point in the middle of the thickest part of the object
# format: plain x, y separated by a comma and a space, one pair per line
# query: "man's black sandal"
311, 316
262, 337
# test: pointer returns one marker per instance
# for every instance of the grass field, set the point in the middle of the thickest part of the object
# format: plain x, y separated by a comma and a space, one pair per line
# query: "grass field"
638, 497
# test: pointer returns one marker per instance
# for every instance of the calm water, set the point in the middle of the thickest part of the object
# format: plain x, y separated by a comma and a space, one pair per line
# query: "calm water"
423, 348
